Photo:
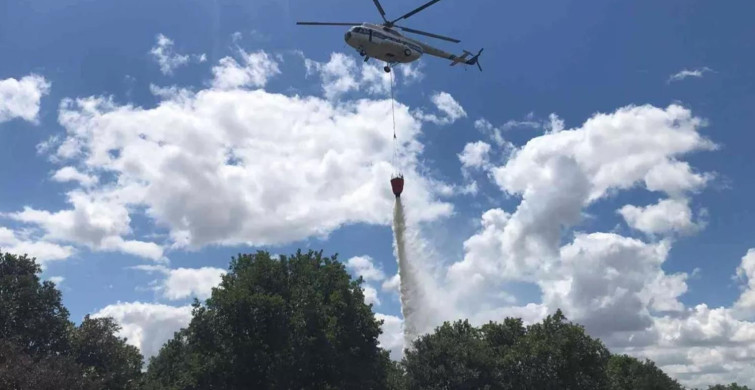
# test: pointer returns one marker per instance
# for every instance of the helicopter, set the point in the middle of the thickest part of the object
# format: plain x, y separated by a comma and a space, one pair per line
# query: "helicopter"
383, 42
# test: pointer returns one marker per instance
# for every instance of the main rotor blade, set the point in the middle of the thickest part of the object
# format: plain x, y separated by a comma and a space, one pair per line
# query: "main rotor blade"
327, 24
428, 34
429, 3
380, 9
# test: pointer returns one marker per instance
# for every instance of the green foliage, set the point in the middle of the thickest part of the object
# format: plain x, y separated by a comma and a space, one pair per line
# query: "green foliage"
41, 349
292, 322
550, 355
20, 370
731, 386
115, 364
628, 373
31, 314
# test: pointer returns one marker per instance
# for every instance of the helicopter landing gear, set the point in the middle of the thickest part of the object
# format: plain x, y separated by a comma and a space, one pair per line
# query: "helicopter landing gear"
387, 69
362, 53
366, 58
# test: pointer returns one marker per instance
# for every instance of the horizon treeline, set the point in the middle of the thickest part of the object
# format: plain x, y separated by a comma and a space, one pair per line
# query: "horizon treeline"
295, 322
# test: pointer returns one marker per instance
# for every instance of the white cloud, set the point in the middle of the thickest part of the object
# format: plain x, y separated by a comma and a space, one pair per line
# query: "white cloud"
97, 220
72, 174
364, 266
695, 73
475, 155
147, 326
371, 295
487, 128
446, 104
236, 166
666, 216
186, 282
43, 251
181, 283
257, 68
168, 59
341, 75
58, 280
392, 338
528, 122
21, 98
411, 72
559, 173
745, 305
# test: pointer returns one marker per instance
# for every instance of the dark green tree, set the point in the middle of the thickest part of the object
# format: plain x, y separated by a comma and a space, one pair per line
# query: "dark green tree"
455, 356
20, 370
553, 354
106, 357
292, 322
31, 313
731, 386
41, 349
628, 373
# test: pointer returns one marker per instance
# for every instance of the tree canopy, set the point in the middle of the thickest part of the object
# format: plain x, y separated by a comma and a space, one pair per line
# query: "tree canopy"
553, 354
41, 349
291, 322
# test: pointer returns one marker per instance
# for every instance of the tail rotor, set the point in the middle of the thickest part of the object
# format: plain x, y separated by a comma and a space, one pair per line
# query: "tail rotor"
476, 60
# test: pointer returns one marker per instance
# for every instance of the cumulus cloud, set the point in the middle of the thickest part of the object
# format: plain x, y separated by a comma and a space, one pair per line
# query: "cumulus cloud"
57, 280
147, 326
392, 338
365, 267
745, 305
447, 105
163, 52
475, 155
341, 74
21, 98
43, 251
97, 220
235, 166
666, 216
254, 71
683, 74
66, 174
181, 283
370, 295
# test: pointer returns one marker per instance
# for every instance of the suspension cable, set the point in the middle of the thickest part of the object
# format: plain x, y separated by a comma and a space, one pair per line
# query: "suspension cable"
395, 141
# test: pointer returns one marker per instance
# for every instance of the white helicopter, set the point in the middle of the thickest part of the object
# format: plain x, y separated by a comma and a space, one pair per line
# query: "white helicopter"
384, 43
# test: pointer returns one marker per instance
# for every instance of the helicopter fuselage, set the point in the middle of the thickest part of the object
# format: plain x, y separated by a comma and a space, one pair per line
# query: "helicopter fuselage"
373, 41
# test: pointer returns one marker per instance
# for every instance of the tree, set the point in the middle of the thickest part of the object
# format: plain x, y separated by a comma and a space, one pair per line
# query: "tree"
455, 356
549, 355
292, 322
731, 386
114, 364
22, 371
41, 349
31, 314
628, 373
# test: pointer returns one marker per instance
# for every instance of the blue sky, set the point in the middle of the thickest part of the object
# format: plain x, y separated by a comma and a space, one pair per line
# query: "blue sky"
572, 59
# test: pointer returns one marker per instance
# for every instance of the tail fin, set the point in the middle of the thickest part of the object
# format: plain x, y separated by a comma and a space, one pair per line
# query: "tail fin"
475, 60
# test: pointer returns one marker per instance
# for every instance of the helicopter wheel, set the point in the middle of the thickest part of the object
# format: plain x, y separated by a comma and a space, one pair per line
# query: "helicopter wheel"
387, 69
362, 53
